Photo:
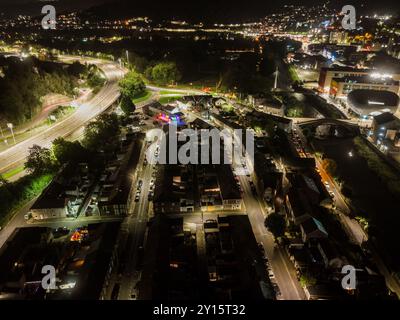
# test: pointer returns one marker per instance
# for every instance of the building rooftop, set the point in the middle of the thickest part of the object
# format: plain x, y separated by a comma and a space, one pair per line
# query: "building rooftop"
228, 187
313, 224
384, 118
367, 79
340, 68
373, 99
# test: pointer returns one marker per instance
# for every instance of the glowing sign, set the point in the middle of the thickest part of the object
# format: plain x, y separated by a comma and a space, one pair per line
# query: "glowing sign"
169, 119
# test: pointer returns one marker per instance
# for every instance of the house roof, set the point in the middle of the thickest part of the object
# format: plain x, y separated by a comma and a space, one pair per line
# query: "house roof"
312, 224
300, 205
227, 184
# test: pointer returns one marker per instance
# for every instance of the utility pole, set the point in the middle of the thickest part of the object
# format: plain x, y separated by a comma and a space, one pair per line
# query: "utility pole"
10, 126
127, 56
276, 79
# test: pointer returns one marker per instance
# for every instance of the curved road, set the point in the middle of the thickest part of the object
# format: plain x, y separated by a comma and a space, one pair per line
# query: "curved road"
103, 100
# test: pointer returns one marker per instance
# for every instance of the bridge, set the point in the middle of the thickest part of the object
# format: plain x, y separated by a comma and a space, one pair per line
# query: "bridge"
349, 124
321, 121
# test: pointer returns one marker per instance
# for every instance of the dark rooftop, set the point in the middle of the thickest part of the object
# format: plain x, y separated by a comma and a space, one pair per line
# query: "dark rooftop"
384, 118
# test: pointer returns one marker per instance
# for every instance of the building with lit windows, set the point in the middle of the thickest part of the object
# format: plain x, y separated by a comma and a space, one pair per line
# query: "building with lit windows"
341, 87
327, 74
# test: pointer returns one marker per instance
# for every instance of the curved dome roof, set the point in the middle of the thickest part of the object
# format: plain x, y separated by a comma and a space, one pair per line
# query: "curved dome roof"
373, 99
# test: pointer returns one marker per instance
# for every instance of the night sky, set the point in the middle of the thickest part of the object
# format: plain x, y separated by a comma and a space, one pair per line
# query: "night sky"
185, 8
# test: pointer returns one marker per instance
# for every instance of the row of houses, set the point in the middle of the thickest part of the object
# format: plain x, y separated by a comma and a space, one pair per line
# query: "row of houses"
213, 259
177, 187
318, 253
77, 190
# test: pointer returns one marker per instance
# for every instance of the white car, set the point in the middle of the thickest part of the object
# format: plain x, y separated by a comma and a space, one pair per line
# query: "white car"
271, 274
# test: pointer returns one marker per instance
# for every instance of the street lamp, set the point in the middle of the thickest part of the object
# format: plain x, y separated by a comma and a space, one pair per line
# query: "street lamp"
10, 126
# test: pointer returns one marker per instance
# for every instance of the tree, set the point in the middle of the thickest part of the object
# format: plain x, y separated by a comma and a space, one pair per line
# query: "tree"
329, 166
165, 73
100, 132
127, 105
67, 152
76, 69
132, 85
3, 181
276, 224
39, 160
139, 63
307, 280
347, 191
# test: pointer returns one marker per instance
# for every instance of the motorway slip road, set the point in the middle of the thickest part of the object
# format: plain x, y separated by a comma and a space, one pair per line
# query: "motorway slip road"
84, 113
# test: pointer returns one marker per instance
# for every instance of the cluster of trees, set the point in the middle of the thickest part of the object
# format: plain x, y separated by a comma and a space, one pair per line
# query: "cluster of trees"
376, 164
243, 76
329, 166
163, 73
276, 224
99, 138
24, 83
100, 135
14, 194
307, 280
42, 163
94, 78
127, 105
132, 85
293, 106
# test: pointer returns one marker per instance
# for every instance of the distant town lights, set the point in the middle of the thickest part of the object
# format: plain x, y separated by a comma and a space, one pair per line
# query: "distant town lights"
378, 75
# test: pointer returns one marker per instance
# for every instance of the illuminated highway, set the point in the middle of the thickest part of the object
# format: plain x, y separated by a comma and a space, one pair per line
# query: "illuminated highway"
16, 155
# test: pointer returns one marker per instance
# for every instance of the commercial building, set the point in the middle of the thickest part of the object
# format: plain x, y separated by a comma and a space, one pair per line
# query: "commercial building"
385, 127
341, 87
327, 74
372, 102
